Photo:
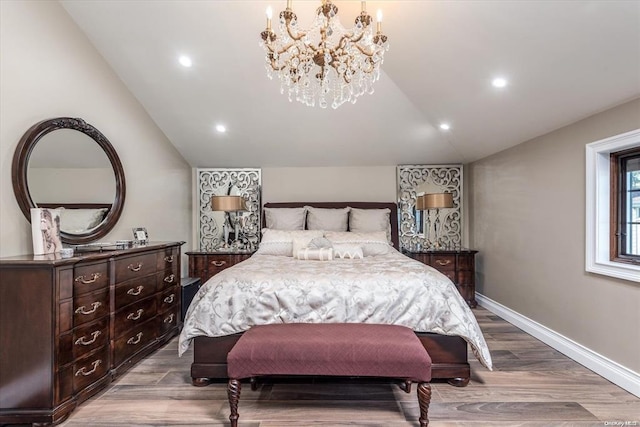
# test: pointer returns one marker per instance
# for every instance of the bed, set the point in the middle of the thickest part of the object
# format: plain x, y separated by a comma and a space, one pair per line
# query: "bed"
389, 288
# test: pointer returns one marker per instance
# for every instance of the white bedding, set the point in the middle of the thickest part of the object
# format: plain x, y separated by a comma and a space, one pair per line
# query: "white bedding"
388, 289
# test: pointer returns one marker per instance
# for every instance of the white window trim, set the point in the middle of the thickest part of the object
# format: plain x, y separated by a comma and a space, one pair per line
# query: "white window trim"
598, 205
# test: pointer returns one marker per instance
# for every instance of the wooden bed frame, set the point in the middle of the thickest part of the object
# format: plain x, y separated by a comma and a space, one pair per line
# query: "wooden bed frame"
448, 353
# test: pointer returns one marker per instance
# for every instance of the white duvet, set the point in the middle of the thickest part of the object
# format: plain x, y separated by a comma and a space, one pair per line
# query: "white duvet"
387, 289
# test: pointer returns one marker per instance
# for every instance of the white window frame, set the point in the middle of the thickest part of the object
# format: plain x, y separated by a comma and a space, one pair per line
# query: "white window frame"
598, 204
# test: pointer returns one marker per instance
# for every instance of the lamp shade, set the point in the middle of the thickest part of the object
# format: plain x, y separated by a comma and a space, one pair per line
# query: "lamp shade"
228, 203
420, 203
438, 200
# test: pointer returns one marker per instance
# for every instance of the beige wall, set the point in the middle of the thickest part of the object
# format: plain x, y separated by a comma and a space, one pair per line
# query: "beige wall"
50, 69
528, 222
329, 184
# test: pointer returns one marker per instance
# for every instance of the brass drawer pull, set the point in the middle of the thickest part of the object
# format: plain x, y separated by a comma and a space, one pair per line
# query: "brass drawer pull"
169, 319
135, 340
136, 268
169, 258
218, 263
169, 299
170, 278
136, 315
135, 291
83, 371
94, 277
443, 263
94, 307
94, 337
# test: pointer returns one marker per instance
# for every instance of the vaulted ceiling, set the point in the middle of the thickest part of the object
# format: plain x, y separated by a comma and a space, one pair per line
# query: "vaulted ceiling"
564, 60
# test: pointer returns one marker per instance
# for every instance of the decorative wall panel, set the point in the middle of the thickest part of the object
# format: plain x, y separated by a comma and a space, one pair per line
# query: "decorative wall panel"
219, 182
416, 228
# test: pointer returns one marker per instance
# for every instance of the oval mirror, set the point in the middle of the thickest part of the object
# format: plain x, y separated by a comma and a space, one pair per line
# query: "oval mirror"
67, 163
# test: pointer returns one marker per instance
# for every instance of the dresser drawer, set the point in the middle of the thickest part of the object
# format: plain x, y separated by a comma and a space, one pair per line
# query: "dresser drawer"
443, 262
168, 321
135, 290
90, 368
89, 337
90, 307
167, 279
134, 315
90, 277
167, 259
135, 267
168, 299
466, 262
135, 340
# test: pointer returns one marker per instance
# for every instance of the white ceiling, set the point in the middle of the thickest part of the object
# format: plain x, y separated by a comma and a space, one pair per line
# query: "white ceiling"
565, 60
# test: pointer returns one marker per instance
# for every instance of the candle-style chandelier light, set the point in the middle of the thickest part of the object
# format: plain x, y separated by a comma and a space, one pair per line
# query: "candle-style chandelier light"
326, 64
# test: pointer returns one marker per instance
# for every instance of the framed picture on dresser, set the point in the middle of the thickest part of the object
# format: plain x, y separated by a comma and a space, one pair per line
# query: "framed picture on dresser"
140, 236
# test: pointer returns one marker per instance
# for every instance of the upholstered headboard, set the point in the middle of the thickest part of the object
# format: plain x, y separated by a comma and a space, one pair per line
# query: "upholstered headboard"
359, 205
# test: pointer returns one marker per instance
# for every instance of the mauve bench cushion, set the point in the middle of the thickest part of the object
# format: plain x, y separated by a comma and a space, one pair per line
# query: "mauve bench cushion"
333, 349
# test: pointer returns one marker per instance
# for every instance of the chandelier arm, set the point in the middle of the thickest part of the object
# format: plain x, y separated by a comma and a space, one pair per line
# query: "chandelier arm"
363, 51
274, 65
301, 34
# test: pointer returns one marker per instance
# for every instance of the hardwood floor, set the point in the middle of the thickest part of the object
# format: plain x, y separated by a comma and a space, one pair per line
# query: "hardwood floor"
531, 385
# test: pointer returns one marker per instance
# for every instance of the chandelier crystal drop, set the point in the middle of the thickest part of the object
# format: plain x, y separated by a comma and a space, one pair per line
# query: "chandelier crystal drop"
326, 64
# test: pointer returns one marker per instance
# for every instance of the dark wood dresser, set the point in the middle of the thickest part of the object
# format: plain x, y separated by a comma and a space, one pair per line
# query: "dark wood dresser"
457, 265
205, 265
70, 326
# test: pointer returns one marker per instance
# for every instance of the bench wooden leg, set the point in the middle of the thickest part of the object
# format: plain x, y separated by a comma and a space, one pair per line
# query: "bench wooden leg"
233, 391
424, 399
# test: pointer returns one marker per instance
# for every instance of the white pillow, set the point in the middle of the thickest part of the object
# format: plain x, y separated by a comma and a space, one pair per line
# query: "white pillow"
374, 243
80, 220
327, 219
280, 242
284, 218
366, 220
322, 254
347, 251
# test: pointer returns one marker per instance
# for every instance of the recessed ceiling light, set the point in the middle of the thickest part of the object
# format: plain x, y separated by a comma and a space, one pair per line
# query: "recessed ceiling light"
499, 82
445, 126
185, 61
221, 128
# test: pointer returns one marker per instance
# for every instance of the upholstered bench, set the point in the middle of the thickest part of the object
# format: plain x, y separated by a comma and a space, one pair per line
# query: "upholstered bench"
338, 349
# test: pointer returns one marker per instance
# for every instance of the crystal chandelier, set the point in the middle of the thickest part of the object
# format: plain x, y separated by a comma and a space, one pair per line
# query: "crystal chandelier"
326, 63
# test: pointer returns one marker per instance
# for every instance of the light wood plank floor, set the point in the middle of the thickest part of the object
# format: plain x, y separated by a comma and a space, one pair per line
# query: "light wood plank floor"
531, 385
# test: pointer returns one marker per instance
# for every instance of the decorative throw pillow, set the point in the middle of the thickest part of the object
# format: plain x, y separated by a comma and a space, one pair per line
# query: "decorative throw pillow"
374, 243
301, 240
347, 251
280, 242
367, 220
284, 218
320, 243
322, 254
327, 219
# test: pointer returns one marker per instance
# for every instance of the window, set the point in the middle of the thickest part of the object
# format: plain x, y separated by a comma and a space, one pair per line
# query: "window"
608, 251
625, 204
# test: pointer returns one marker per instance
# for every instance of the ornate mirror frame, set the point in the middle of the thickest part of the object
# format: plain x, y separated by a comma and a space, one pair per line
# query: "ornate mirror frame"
245, 182
20, 165
412, 180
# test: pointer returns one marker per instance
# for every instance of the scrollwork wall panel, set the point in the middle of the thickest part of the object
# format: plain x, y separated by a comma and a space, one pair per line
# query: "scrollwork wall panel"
413, 180
219, 182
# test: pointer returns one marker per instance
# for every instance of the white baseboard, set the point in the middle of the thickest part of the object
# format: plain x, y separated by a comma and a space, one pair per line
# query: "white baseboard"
607, 368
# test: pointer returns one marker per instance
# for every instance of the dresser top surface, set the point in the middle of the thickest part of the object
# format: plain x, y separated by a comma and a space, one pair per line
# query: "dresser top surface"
100, 252
442, 251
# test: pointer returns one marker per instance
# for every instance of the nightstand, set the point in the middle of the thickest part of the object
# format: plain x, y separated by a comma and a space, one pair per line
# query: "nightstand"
207, 264
457, 265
